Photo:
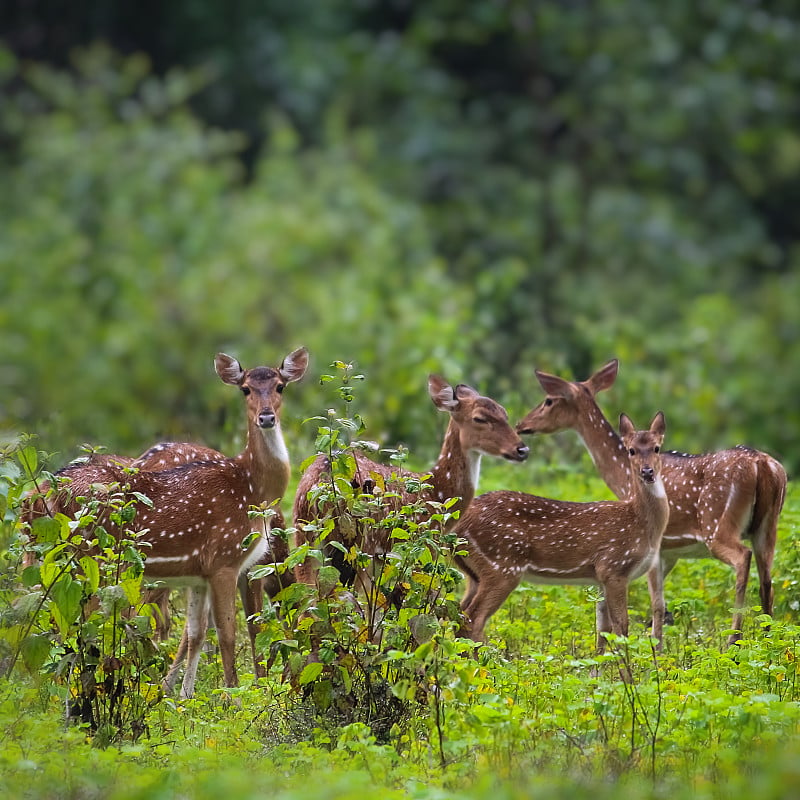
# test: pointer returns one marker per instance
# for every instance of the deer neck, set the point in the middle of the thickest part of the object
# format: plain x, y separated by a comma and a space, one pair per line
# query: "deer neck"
266, 461
650, 501
456, 471
606, 449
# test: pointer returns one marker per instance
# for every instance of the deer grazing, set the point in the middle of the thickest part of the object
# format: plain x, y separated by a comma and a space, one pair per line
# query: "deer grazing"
196, 527
478, 425
716, 499
513, 536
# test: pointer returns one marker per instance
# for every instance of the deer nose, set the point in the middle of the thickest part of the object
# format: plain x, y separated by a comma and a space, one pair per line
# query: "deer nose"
522, 452
266, 419
648, 474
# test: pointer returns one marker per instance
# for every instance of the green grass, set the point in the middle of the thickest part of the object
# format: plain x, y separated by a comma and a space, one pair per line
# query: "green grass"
527, 717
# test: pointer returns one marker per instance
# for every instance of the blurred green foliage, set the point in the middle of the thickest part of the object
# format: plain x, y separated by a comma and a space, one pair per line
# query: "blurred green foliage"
477, 189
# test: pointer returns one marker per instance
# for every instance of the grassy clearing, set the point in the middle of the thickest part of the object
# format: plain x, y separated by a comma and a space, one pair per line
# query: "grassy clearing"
525, 717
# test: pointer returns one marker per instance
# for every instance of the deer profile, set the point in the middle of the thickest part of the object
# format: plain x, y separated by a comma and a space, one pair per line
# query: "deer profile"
513, 537
717, 500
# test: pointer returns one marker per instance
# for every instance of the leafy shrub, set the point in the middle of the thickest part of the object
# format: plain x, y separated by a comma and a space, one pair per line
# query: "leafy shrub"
67, 620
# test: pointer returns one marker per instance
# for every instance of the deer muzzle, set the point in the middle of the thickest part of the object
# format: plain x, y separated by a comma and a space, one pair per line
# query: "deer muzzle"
648, 475
520, 453
266, 419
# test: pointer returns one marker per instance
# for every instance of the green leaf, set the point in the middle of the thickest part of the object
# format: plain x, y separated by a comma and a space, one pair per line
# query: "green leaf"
66, 593
423, 626
347, 681
35, 649
31, 576
29, 460
46, 529
91, 571
327, 578
310, 673
133, 589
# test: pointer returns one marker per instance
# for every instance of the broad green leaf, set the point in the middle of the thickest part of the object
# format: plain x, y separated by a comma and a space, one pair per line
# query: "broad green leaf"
31, 576
310, 673
66, 594
35, 649
133, 589
91, 571
46, 529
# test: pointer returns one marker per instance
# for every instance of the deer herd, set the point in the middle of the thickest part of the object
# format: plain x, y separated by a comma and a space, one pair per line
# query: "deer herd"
200, 532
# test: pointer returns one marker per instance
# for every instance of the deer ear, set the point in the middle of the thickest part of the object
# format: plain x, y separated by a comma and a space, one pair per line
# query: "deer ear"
294, 366
626, 426
442, 393
604, 377
464, 392
228, 369
552, 384
659, 425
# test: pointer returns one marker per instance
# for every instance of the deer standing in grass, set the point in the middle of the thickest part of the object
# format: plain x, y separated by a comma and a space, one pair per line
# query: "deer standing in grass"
168, 455
513, 536
196, 528
716, 499
478, 426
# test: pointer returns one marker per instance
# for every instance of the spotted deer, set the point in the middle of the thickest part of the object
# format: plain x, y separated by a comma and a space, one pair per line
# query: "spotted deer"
195, 530
717, 499
167, 455
478, 425
513, 537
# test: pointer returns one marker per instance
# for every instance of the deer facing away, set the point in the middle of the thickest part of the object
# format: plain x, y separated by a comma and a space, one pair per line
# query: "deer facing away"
513, 537
716, 499
199, 518
478, 425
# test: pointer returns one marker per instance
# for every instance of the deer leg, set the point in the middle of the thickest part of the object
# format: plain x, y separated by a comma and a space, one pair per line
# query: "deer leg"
763, 540
732, 552
191, 643
658, 608
223, 603
252, 594
464, 629
489, 596
612, 611
602, 623
765, 591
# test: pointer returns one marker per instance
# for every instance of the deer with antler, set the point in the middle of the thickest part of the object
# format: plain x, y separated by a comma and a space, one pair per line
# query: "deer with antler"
717, 499
513, 537
196, 526
478, 425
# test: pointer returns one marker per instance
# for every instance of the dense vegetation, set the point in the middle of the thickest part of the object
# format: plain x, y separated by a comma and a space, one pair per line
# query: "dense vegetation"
535, 711
476, 189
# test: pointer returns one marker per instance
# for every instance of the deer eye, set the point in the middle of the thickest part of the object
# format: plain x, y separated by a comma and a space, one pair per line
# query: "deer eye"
549, 401
631, 451
279, 388
480, 420
657, 449
245, 390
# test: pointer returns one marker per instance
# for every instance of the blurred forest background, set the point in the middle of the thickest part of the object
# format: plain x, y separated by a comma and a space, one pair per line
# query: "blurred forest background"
476, 188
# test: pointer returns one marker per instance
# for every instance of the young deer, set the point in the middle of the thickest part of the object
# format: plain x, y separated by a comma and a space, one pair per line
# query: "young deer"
513, 536
716, 499
196, 527
478, 425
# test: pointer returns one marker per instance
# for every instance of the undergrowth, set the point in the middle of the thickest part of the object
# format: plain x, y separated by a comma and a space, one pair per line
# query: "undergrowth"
365, 693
